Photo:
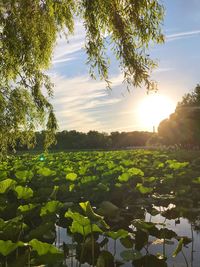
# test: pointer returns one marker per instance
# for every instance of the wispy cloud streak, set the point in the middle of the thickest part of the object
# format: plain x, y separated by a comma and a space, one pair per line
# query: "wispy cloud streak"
65, 49
76, 98
181, 35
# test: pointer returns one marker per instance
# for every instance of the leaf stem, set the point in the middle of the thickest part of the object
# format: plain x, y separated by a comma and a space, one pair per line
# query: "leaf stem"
92, 245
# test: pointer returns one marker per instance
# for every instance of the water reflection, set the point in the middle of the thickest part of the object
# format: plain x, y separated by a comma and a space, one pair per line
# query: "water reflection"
184, 228
191, 257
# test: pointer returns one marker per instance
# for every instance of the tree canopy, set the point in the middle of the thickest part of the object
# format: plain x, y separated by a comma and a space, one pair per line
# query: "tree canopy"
28, 33
191, 99
70, 140
183, 126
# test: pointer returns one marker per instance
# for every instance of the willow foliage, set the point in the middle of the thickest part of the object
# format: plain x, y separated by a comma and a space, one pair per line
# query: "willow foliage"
28, 32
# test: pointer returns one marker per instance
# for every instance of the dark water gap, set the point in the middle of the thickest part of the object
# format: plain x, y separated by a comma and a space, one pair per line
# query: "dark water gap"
189, 258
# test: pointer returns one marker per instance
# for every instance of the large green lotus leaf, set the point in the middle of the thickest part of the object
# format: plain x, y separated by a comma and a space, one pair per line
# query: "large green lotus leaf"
3, 175
196, 180
45, 232
141, 239
6, 185
166, 233
135, 172
44, 171
50, 208
24, 175
159, 165
110, 165
68, 169
102, 187
26, 208
47, 253
84, 230
150, 179
127, 242
75, 216
186, 239
105, 259
23, 192
71, 176
144, 189
90, 212
82, 170
88, 179
130, 255
175, 165
141, 224
11, 229
108, 209
127, 162
121, 233
124, 177
6, 247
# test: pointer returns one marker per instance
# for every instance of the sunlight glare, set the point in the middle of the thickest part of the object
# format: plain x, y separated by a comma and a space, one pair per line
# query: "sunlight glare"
153, 109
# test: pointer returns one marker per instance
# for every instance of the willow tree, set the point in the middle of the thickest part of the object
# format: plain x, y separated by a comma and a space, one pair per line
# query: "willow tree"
28, 33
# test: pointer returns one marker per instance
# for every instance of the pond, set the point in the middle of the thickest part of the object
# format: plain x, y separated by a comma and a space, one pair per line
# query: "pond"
189, 256
104, 209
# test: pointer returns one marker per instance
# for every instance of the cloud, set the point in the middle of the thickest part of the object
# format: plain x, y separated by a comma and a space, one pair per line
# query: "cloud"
76, 98
159, 70
181, 35
66, 48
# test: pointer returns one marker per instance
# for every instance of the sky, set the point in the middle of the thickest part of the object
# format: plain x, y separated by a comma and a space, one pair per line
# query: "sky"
84, 104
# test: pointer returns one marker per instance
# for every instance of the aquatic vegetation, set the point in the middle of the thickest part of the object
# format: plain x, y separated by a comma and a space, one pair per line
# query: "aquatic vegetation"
115, 207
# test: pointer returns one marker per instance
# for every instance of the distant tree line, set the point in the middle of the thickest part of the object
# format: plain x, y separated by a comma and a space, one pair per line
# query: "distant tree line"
182, 128
73, 140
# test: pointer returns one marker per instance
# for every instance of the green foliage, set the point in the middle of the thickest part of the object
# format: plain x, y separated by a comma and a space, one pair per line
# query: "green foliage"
50, 208
182, 127
44, 171
124, 177
6, 185
84, 230
28, 35
26, 208
71, 176
108, 209
178, 248
144, 189
130, 255
47, 253
191, 99
81, 224
36, 202
121, 233
69, 140
23, 192
24, 175
6, 247
75, 216
174, 165
105, 259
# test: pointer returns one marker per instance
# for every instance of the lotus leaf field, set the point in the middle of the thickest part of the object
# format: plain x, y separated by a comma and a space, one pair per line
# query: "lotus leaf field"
115, 206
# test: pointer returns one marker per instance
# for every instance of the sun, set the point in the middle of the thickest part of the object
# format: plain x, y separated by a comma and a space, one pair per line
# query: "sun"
153, 109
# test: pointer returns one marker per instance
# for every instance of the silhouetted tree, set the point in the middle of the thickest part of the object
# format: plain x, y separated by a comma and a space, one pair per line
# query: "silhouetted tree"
183, 126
